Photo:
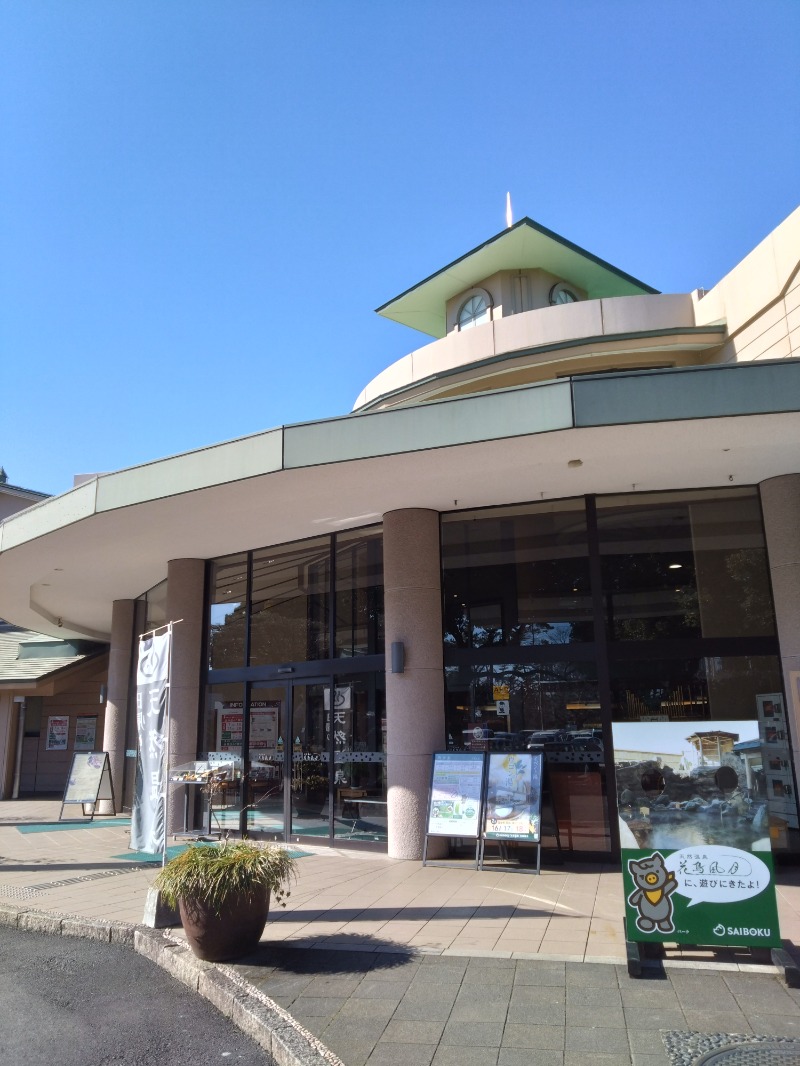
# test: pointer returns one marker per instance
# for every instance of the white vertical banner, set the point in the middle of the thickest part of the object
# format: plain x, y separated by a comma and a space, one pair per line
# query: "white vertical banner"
148, 824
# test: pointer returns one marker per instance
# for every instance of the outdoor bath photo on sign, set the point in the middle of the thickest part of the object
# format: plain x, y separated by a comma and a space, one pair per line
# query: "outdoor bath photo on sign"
694, 823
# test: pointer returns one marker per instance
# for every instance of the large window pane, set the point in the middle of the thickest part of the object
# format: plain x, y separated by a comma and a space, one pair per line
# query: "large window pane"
359, 594
555, 708
289, 611
227, 612
684, 566
517, 577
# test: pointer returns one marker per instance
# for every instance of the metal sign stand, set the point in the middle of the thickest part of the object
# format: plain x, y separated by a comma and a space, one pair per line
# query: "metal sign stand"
88, 783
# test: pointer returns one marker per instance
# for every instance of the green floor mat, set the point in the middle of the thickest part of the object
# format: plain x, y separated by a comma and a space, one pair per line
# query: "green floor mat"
54, 827
178, 849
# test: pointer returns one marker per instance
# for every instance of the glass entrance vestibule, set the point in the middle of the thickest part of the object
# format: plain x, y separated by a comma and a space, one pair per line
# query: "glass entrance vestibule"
296, 690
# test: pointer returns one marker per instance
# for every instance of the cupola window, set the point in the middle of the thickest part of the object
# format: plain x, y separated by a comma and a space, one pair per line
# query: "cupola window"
562, 294
474, 312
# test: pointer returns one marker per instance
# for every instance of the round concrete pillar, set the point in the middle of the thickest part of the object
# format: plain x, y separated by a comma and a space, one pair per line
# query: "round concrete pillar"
415, 697
120, 655
780, 502
185, 595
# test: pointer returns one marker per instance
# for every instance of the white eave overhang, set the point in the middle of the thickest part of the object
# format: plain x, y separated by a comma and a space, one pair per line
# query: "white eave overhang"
64, 561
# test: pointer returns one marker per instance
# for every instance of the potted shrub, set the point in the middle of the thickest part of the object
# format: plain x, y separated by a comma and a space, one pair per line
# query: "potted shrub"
223, 891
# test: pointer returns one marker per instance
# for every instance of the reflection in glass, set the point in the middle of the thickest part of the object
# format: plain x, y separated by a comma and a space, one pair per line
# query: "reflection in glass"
227, 613
222, 732
554, 708
358, 727
289, 610
310, 778
359, 593
517, 577
684, 566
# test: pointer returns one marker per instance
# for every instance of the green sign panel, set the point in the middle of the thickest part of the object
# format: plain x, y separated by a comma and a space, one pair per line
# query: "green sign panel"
694, 832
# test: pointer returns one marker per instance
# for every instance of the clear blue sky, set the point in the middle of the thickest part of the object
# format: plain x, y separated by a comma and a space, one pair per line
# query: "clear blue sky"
201, 203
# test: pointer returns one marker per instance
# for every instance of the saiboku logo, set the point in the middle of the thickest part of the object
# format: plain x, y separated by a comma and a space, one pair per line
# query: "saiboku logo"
737, 930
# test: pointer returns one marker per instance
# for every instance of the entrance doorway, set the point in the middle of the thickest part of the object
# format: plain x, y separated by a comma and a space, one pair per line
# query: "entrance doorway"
313, 761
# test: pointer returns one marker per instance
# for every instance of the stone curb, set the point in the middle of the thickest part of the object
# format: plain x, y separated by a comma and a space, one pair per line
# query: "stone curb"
285, 1041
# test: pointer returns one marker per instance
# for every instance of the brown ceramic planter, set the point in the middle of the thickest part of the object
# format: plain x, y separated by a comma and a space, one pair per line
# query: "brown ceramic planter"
234, 932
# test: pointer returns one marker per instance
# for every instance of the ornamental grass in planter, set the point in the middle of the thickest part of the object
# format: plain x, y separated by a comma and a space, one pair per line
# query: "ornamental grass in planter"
223, 891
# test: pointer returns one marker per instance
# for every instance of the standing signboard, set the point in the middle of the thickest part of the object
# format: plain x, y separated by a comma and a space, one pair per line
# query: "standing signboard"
148, 823
695, 839
513, 807
89, 782
454, 798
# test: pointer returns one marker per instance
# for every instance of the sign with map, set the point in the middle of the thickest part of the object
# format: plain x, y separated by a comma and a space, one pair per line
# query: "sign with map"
455, 795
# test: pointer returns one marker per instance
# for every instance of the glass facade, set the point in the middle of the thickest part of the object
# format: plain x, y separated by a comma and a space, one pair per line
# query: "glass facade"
296, 688
563, 618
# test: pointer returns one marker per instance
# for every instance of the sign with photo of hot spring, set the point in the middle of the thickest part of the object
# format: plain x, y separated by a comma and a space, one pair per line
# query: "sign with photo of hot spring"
695, 834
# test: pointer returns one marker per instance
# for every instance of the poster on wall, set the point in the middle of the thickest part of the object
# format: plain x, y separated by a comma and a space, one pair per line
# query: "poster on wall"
455, 794
694, 829
514, 796
264, 719
85, 732
777, 761
57, 732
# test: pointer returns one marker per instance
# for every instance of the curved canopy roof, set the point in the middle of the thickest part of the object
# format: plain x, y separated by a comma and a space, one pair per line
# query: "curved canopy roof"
524, 246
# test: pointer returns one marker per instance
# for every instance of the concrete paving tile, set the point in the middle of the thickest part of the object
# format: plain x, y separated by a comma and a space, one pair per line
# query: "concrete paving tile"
594, 996
603, 1016
369, 988
590, 973
540, 972
642, 993
473, 1033
535, 996
654, 1018
656, 1059
597, 1040
374, 1009
417, 1031
544, 1014
646, 1041
464, 1056
766, 999
579, 1058
511, 1056
774, 1025
425, 1009
714, 1021
318, 1007
544, 1037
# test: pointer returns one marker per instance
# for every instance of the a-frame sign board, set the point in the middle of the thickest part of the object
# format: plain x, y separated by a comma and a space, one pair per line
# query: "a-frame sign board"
89, 782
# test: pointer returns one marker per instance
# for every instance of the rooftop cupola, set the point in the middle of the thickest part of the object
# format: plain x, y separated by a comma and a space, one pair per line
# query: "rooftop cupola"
523, 268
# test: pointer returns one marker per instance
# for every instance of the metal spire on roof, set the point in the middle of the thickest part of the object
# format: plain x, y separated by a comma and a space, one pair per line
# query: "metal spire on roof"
3, 476
509, 220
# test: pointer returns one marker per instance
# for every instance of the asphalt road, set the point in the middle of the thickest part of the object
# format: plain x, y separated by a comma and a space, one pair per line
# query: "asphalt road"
81, 1003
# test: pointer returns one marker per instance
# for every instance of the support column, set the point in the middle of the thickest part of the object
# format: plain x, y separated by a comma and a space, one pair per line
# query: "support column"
185, 589
780, 502
415, 698
115, 720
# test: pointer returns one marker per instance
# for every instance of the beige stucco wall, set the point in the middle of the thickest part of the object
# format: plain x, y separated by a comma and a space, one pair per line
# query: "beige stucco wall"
759, 299
544, 326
